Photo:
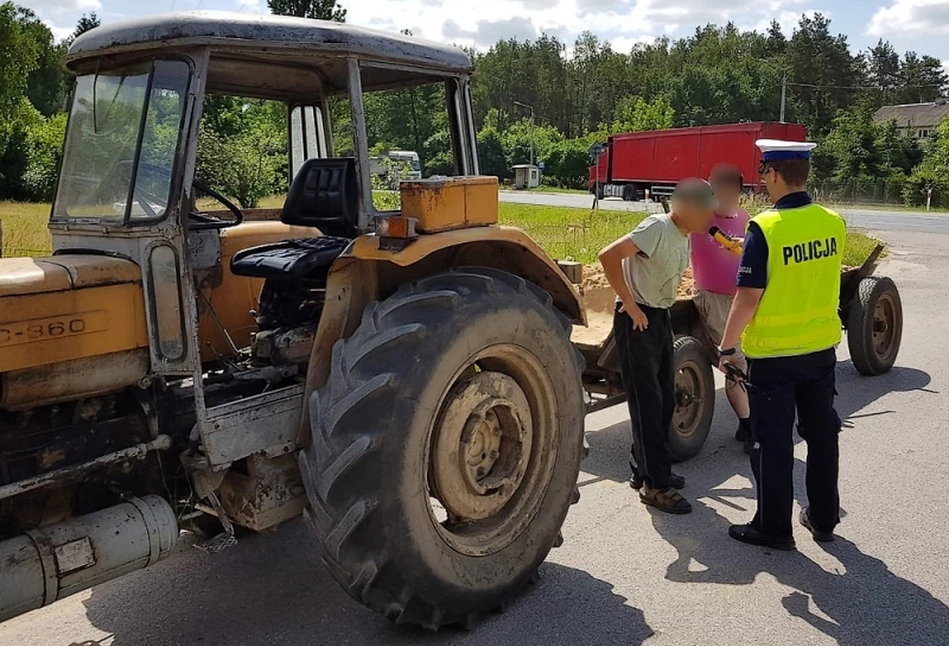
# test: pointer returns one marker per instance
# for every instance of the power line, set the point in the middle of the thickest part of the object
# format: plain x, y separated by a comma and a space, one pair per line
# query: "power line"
867, 87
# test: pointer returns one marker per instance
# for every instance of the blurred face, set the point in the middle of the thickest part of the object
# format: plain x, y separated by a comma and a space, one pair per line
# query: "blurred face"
728, 193
696, 217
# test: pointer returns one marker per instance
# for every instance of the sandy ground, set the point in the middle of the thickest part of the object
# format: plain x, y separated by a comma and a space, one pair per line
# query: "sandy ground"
594, 279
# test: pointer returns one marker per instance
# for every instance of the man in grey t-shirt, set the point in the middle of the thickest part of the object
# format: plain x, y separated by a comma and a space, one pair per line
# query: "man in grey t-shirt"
644, 268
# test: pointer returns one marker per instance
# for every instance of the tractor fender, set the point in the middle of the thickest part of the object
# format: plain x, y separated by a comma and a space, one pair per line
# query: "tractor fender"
365, 273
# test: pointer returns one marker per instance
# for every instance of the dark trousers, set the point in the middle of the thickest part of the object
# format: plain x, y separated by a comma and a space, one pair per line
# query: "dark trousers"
781, 386
648, 378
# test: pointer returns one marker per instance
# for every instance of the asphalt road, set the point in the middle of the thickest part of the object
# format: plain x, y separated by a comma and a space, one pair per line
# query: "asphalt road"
871, 219
626, 574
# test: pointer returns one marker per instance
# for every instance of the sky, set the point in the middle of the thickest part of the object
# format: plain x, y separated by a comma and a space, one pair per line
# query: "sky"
918, 25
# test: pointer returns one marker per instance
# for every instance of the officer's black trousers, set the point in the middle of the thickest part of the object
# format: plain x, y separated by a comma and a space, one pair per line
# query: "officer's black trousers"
646, 363
804, 383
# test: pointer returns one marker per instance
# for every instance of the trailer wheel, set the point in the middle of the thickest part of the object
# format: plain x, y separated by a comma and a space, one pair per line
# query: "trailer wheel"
875, 325
598, 192
695, 399
446, 446
629, 193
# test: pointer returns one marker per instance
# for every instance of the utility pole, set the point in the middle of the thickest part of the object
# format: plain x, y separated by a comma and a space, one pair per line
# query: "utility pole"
784, 94
531, 108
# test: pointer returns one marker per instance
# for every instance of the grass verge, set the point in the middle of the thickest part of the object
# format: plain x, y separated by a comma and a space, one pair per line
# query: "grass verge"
24, 229
564, 233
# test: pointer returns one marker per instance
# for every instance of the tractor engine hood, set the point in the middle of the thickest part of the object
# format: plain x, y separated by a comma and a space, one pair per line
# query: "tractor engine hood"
28, 276
69, 311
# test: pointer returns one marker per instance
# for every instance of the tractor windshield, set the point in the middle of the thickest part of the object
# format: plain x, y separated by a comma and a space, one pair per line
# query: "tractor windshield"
122, 142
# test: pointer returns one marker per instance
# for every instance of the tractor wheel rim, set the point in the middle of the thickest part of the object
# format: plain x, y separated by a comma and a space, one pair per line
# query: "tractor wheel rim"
884, 326
492, 451
688, 398
482, 445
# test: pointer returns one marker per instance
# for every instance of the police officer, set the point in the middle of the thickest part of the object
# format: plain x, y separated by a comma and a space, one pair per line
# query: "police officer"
785, 313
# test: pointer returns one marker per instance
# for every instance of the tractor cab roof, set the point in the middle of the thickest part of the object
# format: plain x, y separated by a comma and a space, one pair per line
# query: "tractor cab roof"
293, 41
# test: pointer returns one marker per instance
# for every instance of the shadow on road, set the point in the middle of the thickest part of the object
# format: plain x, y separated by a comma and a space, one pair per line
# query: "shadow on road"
862, 602
609, 447
264, 592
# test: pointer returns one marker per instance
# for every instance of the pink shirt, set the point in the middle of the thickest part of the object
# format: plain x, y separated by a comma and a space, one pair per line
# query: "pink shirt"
714, 268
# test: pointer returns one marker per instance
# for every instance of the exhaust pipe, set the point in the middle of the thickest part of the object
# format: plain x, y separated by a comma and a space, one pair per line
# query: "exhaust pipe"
48, 564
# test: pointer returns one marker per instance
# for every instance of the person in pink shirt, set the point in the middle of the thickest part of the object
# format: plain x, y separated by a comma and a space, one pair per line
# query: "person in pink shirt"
715, 270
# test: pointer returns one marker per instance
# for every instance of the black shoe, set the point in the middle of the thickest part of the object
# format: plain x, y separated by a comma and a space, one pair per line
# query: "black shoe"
819, 536
677, 482
750, 534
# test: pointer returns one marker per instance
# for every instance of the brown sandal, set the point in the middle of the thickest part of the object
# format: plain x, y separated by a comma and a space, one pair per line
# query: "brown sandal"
668, 500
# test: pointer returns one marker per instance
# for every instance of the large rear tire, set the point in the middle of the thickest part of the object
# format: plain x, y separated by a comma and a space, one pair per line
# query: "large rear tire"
695, 399
446, 446
875, 326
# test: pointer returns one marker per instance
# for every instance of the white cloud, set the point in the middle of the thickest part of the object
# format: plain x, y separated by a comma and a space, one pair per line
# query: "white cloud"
623, 22
251, 6
488, 32
905, 17
60, 33
51, 7
788, 20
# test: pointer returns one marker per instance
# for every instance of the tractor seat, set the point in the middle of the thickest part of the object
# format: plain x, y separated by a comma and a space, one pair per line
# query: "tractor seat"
323, 195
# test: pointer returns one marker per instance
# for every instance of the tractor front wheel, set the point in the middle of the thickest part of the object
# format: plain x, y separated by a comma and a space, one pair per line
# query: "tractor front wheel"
446, 446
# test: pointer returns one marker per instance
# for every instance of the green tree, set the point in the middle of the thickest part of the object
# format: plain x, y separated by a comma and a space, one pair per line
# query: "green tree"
923, 79
884, 71
635, 114
18, 57
318, 9
824, 70
491, 153
568, 162
44, 145
46, 82
242, 149
85, 23
851, 145
933, 173
518, 137
777, 42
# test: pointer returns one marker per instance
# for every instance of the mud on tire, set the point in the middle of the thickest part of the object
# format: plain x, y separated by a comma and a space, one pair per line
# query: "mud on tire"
387, 441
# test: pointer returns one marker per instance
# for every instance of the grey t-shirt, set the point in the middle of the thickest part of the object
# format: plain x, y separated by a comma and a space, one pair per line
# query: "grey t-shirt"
654, 274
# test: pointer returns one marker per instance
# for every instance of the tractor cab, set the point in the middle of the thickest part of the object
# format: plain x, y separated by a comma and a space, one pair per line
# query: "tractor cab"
136, 178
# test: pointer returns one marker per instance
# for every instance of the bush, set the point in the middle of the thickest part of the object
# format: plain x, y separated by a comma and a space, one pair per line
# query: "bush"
245, 166
44, 147
568, 163
491, 154
923, 179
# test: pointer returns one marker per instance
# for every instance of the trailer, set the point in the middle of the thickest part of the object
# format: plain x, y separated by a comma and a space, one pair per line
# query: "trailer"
643, 165
870, 311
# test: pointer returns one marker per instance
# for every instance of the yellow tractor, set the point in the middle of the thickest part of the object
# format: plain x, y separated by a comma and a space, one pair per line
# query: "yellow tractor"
404, 378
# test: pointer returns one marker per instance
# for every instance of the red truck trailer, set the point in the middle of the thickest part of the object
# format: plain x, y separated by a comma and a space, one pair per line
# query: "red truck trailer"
636, 162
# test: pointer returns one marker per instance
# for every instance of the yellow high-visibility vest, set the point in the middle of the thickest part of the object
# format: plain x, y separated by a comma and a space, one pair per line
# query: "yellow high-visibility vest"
798, 310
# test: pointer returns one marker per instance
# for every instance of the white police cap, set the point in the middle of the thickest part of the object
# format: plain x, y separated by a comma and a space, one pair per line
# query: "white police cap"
777, 150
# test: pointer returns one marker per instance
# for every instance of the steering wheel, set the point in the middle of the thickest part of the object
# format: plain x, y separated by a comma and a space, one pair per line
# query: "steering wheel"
204, 221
